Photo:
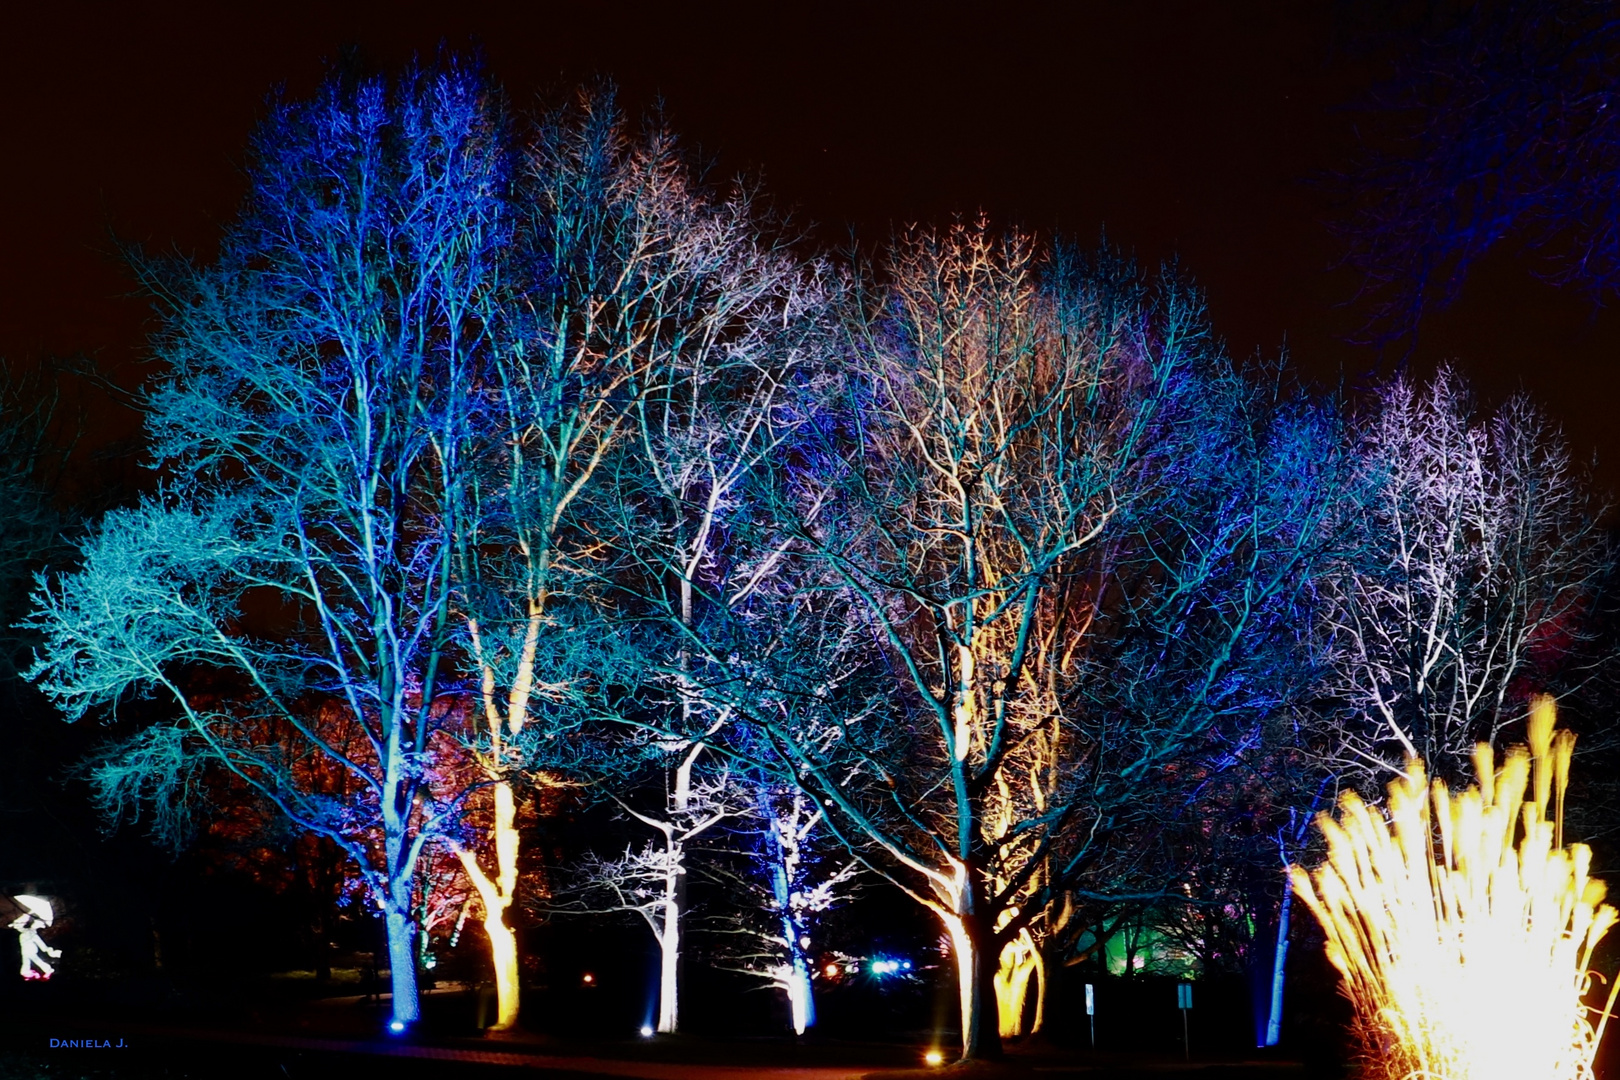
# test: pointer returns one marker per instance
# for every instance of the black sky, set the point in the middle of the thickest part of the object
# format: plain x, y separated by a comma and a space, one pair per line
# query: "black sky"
1187, 130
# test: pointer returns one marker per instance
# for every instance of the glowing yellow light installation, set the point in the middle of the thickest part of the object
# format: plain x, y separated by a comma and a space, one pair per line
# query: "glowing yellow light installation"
1020, 961
1466, 958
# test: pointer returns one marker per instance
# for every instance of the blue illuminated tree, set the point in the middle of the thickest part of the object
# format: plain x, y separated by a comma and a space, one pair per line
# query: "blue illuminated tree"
1194, 666
1497, 126
286, 594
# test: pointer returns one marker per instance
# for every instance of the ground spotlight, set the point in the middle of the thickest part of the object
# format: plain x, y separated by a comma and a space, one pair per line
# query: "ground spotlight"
646, 1031
934, 1057
396, 1026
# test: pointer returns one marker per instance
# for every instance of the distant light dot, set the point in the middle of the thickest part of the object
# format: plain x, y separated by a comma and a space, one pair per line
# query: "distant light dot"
588, 978
832, 971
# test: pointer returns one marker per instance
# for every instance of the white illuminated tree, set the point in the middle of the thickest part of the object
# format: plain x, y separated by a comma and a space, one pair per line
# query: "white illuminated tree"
726, 322
1475, 570
649, 881
621, 252
787, 881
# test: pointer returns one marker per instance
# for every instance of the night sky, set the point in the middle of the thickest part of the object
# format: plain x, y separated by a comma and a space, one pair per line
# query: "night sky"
1185, 130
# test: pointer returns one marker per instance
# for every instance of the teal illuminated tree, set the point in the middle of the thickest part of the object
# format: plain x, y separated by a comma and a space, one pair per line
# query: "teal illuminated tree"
306, 421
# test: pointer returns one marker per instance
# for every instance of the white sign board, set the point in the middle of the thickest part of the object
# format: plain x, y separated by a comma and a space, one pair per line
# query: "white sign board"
1091, 1000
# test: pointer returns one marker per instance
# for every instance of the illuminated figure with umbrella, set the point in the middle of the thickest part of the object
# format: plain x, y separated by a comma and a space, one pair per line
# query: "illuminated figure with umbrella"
36, 914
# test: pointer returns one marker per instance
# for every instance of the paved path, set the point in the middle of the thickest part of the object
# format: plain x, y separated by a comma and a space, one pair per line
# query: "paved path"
517, 1054
591, 1066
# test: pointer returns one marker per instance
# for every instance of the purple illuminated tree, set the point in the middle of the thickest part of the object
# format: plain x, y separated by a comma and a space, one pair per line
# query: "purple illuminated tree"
794, 881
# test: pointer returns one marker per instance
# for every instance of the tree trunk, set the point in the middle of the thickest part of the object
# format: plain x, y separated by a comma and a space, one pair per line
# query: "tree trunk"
801, 1004
1018, 961
975, 979
669, 949
400, 865
496, 896
1050, 1001
800, 1000
1279, 961
504, 958
1279, 967
402, 969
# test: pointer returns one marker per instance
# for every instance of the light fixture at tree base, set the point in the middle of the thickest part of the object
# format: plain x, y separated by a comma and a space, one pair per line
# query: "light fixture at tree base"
1466, 954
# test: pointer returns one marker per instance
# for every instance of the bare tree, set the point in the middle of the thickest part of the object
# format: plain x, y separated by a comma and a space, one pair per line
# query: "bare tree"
611, 248
1041, 546
1471, 579
649, 882
933, 506
784, 883
299, 555
1495, 126
728, 337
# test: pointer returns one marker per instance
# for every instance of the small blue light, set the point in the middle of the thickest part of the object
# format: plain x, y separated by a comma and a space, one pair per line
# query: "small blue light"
396, 1026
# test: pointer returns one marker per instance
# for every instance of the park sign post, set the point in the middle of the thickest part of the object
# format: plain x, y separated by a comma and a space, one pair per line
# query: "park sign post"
1184, 1002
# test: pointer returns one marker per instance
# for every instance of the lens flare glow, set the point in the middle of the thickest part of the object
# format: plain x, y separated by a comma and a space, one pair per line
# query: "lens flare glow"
1467, 956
